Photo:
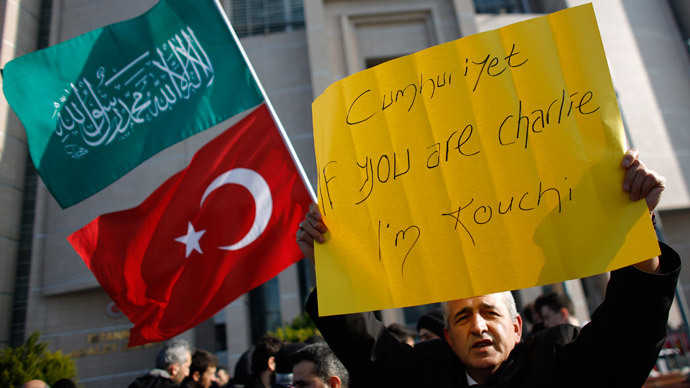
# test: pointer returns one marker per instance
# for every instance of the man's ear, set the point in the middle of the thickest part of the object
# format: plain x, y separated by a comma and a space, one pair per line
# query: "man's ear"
334, 382
272, 363
517, 325
196, 376
174, 369
565, 313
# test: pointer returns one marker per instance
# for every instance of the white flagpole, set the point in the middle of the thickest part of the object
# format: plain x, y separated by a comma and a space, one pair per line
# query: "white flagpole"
286, 140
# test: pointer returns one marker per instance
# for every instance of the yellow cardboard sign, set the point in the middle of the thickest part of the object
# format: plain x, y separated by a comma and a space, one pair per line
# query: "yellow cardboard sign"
485, 164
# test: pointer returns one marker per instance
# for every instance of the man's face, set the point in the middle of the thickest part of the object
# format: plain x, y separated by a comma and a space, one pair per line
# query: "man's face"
426, 335
222, 377
182, 370
304, 376
481, 333
552, 318
207, 378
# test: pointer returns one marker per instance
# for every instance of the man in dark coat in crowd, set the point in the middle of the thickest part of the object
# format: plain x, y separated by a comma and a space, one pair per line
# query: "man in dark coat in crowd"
202, 372
172, 366
315, 366
555, 309
430, 325
264, 362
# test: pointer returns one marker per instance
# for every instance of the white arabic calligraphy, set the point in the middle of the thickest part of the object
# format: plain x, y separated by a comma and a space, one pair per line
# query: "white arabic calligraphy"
98, 113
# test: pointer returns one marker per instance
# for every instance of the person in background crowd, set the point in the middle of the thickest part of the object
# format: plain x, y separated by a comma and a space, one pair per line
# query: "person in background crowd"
264, 362
531, 319
202, 372
315, 339
402, 333
172, 366
555, 309
223, 377
243, 368
64, 383
284, 364
315, 366
35, 384
430, 325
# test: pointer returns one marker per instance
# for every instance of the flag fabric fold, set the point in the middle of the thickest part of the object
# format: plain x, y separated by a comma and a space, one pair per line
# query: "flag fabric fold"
96, 106
210, 233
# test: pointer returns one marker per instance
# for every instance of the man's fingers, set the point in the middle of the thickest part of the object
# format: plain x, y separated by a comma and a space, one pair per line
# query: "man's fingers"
653, 195
306, 244
630, 156
315, 223
641, 182
636, 187
630, 174
314, 211
304, 236
312, 228
313, 218
648, 184
315, 231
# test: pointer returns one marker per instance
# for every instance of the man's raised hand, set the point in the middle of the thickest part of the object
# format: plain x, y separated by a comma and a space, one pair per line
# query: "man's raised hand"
311, 229
640, 181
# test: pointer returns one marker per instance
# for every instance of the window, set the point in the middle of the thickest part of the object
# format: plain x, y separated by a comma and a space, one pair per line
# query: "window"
679, 9
412, 314
371, 62
256, 17
306, 281
264, 308
501, 6
220, 337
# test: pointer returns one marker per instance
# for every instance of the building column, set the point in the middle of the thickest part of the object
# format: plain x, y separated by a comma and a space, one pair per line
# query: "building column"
466, 17
317, 41
20, 27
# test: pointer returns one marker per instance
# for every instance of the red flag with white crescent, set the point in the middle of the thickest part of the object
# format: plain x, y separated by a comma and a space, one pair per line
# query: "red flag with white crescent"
213, 231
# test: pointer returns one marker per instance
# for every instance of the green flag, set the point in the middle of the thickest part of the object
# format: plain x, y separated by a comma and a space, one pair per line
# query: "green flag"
96, 106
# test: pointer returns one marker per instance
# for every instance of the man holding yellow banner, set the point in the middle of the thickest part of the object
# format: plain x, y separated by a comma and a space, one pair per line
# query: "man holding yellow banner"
486, 164
619, 347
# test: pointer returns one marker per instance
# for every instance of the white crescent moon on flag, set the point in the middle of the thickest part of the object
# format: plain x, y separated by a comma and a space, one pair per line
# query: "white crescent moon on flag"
261, 193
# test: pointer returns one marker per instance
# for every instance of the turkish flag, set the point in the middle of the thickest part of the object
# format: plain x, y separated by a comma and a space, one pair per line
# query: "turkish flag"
213, 231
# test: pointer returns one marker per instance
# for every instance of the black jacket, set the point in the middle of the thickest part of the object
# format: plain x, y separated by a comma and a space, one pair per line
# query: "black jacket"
152, 381
618, 348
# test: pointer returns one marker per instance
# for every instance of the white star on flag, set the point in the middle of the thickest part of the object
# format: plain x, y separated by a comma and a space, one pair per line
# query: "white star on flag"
191, 240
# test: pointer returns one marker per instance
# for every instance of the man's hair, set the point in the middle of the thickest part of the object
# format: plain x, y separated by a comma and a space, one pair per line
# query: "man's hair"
267, 347
202, 360
64, 383
507, 298
554, 301
174, 352
283, 361
325, 362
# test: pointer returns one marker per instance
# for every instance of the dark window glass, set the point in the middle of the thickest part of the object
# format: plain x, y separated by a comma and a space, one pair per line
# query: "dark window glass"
371, 62
255, 17
305, 276
221, 338
264, 308
681, 14
412, 314
501, 6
